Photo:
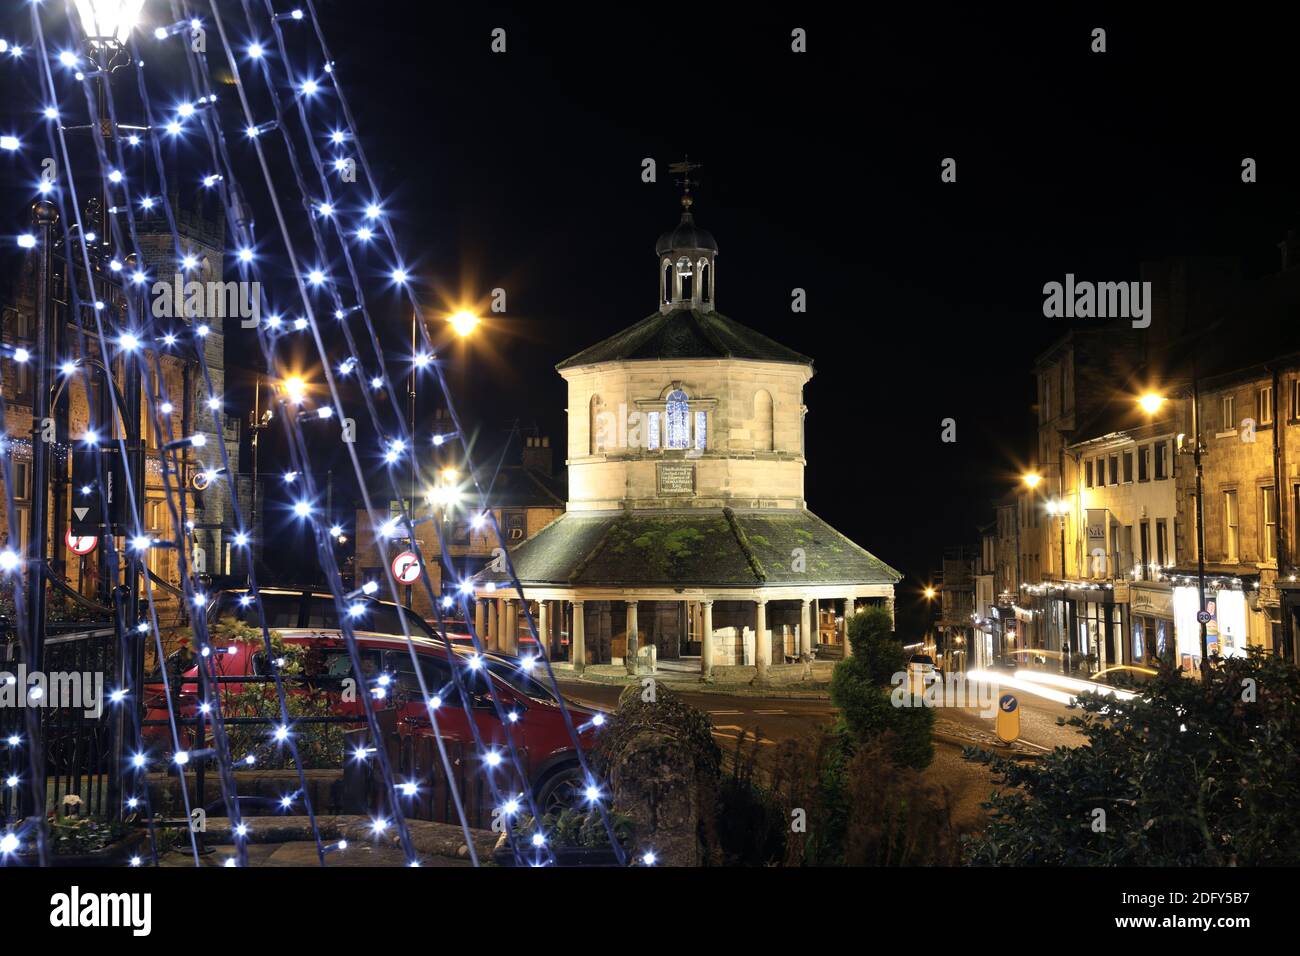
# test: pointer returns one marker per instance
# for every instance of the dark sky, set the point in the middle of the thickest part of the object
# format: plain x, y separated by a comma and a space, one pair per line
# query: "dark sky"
821, 171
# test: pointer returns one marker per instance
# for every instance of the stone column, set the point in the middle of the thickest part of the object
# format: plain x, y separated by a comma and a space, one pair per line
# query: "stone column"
844, 627
510, 632
706, 640
762, 646
480, 620
493, 624
544, 628
578, 639
806, 630
629, 658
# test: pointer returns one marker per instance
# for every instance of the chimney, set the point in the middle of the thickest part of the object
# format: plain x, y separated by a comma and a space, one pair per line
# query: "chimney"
536, 455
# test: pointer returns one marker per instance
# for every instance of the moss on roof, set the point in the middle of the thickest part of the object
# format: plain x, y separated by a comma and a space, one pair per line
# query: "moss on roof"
686, 334
709, 548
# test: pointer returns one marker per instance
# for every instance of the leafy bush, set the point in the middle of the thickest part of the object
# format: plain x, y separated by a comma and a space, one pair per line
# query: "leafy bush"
319, 745
875, 646
575, 828
861, 687
752, 821
863, 809
1186, 774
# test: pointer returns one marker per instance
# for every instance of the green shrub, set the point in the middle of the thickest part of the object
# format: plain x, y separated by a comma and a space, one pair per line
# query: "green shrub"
320, 746
861, 686
863, 809
876, 646
752, 822
1186, 774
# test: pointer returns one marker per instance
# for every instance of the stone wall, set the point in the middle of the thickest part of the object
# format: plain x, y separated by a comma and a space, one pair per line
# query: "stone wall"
753, 457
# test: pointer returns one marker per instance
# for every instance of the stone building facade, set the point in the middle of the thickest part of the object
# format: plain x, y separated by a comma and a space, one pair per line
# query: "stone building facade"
180, 385
524, 497
1250, 433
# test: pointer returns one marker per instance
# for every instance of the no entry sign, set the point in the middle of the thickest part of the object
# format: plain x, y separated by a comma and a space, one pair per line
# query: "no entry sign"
406, 567
80, 544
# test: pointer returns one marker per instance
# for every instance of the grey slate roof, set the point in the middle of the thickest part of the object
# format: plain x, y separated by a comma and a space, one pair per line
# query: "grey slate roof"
515, 486
713, 548
685, 334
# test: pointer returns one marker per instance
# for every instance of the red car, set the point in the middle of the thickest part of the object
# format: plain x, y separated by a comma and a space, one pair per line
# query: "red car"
309, 619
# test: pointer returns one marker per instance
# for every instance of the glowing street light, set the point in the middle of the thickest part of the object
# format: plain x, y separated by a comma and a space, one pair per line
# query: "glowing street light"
1151, 402
295, 388
108, 21
1031, 478
464, 323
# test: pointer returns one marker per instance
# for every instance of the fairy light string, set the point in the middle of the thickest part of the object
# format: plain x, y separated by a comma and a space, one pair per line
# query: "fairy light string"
407, 440
117, 412
385, 226
222, 179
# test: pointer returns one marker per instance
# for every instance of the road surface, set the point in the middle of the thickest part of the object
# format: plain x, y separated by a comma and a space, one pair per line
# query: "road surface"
777, 719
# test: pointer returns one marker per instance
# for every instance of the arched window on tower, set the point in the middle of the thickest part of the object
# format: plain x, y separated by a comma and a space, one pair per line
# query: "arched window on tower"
668, 282
764, 440
677, 420
705, 275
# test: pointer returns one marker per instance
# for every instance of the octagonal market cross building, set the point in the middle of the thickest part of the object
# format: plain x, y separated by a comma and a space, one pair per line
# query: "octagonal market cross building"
686, 528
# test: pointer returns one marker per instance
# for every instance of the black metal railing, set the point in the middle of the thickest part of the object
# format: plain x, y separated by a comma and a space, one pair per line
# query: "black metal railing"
75, 737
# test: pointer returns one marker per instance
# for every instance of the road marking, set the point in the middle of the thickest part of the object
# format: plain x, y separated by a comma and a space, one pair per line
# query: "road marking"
769, 712
726, 712
727, 727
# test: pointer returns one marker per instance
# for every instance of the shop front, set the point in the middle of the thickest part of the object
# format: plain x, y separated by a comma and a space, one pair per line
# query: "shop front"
1151, 615
1226, 630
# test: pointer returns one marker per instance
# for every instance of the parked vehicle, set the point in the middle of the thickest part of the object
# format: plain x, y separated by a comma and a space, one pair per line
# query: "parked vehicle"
921, 667
389, 675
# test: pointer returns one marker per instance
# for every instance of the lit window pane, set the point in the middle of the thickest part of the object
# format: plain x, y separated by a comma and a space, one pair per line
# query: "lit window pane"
678, 420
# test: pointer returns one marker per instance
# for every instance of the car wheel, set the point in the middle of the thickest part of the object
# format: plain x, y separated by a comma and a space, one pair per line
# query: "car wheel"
562, 790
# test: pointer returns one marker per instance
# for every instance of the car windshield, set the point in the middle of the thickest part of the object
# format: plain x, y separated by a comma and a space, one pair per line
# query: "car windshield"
286, 611
520, 680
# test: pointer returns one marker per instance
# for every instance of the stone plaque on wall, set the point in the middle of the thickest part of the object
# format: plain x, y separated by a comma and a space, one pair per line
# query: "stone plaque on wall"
676, 477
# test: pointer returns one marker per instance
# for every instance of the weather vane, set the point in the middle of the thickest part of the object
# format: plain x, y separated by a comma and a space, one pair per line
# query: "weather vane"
684, 168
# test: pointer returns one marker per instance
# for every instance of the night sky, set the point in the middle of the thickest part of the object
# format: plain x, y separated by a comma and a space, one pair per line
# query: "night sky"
820, 171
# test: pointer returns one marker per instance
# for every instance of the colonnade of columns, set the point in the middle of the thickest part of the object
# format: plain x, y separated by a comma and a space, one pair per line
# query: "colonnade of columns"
497, 622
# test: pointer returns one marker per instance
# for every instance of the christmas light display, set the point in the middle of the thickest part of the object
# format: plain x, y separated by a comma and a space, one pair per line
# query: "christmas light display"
280, 59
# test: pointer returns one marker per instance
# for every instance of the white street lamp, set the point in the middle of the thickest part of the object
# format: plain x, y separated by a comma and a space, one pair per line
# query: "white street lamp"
108, 22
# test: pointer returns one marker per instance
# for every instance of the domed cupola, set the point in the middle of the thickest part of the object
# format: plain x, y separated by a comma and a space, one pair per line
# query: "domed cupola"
686, 256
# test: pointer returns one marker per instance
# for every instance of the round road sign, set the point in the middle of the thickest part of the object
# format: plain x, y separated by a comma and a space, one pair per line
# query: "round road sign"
406, 567
80, 544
